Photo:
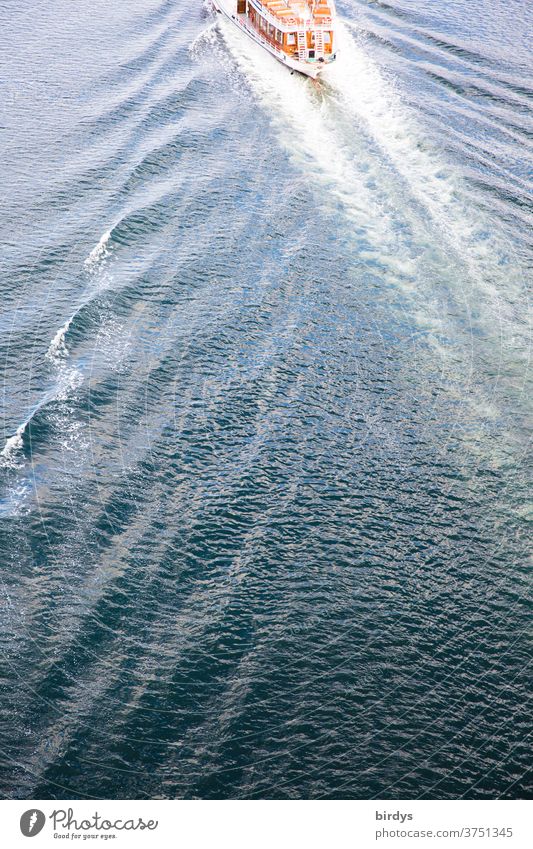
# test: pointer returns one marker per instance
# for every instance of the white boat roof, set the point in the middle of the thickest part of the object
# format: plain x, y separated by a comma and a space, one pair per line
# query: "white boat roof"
298, 11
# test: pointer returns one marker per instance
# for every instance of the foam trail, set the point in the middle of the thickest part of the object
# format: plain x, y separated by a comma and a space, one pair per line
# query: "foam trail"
206, 37
485, 255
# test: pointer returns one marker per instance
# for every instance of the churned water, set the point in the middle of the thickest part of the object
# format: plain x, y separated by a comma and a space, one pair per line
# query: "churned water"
265, 358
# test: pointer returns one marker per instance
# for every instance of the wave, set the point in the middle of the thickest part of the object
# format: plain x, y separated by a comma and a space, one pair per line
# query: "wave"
68, 378
68, 381
129, 225
93, 264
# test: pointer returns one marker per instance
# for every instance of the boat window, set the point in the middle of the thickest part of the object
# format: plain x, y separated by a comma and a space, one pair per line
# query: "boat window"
279, 36
291, 38
327, 38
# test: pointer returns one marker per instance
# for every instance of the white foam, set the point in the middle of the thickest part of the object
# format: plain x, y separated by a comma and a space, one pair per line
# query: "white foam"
99, 253
203, 39
12, 447
58, 348
112, 343
15, 501
70, 379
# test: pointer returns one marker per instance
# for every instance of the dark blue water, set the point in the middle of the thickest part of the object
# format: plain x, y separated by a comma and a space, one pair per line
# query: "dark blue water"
266, 392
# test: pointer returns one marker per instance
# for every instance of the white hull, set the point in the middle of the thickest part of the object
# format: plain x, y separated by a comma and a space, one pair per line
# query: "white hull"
227, 8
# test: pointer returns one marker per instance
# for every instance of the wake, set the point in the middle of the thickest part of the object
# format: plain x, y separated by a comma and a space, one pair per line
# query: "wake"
352, 134
363, 92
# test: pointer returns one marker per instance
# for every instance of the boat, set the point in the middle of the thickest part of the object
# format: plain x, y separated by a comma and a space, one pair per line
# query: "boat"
299, 33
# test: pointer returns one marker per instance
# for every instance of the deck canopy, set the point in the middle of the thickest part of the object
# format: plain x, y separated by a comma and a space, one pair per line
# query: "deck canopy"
296, 12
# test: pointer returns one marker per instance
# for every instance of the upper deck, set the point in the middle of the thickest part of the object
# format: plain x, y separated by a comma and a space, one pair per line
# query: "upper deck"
298, 12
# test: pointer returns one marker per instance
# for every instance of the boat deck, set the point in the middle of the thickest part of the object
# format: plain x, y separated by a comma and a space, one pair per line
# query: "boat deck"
295, 12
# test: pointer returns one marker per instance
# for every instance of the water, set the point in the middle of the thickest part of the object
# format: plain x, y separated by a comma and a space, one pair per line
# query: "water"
265, 375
